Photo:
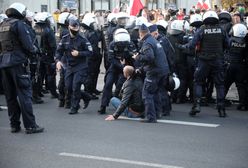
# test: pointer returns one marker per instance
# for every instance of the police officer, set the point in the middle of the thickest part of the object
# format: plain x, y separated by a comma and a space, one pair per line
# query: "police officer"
63, 22
169, 53
15, 42
120, 54
34, 62
94, 62
47, 44
213, 41
155, 66
77, 49
236, 63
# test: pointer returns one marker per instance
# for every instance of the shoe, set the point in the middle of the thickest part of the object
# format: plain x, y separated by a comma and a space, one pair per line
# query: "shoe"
44, 91
195, 109
1, 109
61, 103
67, 105
55, 96
37, 100
41, 94
242, 107
102, 110
86, 103
33, 130
93, 97
73, 111
222, 112
15, 129
148, 121
97, 92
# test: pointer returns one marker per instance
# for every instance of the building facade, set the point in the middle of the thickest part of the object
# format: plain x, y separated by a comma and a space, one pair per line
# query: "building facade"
81, 6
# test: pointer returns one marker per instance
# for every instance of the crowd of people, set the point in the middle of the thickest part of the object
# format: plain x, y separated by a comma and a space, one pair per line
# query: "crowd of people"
153, 59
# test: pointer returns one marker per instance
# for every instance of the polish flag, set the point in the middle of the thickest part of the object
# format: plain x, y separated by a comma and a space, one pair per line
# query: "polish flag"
135, 6
206, 5
199, 4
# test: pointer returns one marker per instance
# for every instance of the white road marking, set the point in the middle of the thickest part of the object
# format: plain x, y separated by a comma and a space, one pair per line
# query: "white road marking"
118, 160
4, 107
176, 122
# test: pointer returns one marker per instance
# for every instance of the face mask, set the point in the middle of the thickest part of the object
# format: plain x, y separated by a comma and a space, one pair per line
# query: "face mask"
73, 32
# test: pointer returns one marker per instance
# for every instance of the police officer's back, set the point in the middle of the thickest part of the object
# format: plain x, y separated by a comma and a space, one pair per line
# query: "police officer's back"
15, 43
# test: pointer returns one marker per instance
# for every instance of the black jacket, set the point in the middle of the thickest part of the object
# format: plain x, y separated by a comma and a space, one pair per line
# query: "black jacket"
131, 96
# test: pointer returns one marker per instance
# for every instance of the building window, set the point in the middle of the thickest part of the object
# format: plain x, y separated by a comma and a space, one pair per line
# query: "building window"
43, 8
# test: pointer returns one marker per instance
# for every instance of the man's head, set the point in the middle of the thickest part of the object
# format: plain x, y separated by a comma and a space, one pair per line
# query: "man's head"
143, 30
154, 31
128, 71
73, 27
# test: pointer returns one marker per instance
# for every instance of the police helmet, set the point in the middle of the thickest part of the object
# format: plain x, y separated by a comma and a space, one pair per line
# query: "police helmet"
87, 20
178, 26
2, 17
239, 30
121, 35
16, 9
196, 20
210, 17
44, 17
162, 24
224, 15
111, 17
173, 83
122, 18
139, 21
64, 18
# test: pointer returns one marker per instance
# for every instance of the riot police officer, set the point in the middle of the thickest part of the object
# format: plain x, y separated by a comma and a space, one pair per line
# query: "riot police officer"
47, 44
63, 22
120, 54
15, 42
213, 41
76, 49
235, 58
94, 62
155, 66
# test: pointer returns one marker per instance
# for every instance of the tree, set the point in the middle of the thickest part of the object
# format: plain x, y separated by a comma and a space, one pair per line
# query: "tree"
226, 4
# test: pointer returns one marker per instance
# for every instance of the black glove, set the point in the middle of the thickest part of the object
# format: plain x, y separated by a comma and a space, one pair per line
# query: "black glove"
180, 46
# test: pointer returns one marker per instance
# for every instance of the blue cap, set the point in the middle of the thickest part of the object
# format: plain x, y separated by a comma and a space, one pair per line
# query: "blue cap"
153, 28
143, 27
73, 23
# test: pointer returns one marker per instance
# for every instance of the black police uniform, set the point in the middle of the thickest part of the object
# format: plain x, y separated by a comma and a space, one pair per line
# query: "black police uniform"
213, 41
155, 65
15, 42
77, 67
236, 68
47, 44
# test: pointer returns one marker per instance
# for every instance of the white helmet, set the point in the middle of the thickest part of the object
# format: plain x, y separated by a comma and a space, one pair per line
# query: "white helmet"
44, 17
177, 82
162, 23
210, 17
17, 9
121, 35
64, 18
173, 83
178, 26
29, 14
196, 20
2, 17
88, 19
239, 30
122, 18
148, 24
140, 20
111, 17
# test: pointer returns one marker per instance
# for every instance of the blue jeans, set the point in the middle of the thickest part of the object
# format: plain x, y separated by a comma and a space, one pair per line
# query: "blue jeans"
115, 102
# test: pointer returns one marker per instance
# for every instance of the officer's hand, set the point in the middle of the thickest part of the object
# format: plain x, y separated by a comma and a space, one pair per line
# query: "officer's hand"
135, 56
59, 65
180, 46
74, 53
110, 118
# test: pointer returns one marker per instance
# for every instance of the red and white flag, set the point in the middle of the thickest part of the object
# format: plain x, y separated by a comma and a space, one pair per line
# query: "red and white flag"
135, 6
199, 4
203, 4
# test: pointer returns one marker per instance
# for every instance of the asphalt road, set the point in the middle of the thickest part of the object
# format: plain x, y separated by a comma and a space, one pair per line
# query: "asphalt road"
87, 141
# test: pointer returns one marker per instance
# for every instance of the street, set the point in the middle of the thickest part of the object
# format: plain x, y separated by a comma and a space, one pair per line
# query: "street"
86, 140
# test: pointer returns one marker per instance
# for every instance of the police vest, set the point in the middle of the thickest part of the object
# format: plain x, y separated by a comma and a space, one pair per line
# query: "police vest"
8, 42
237, 50
212, 43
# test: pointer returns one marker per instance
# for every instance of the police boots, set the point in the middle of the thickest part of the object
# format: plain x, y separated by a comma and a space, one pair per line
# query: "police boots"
196, 108
102, 110
221, 111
